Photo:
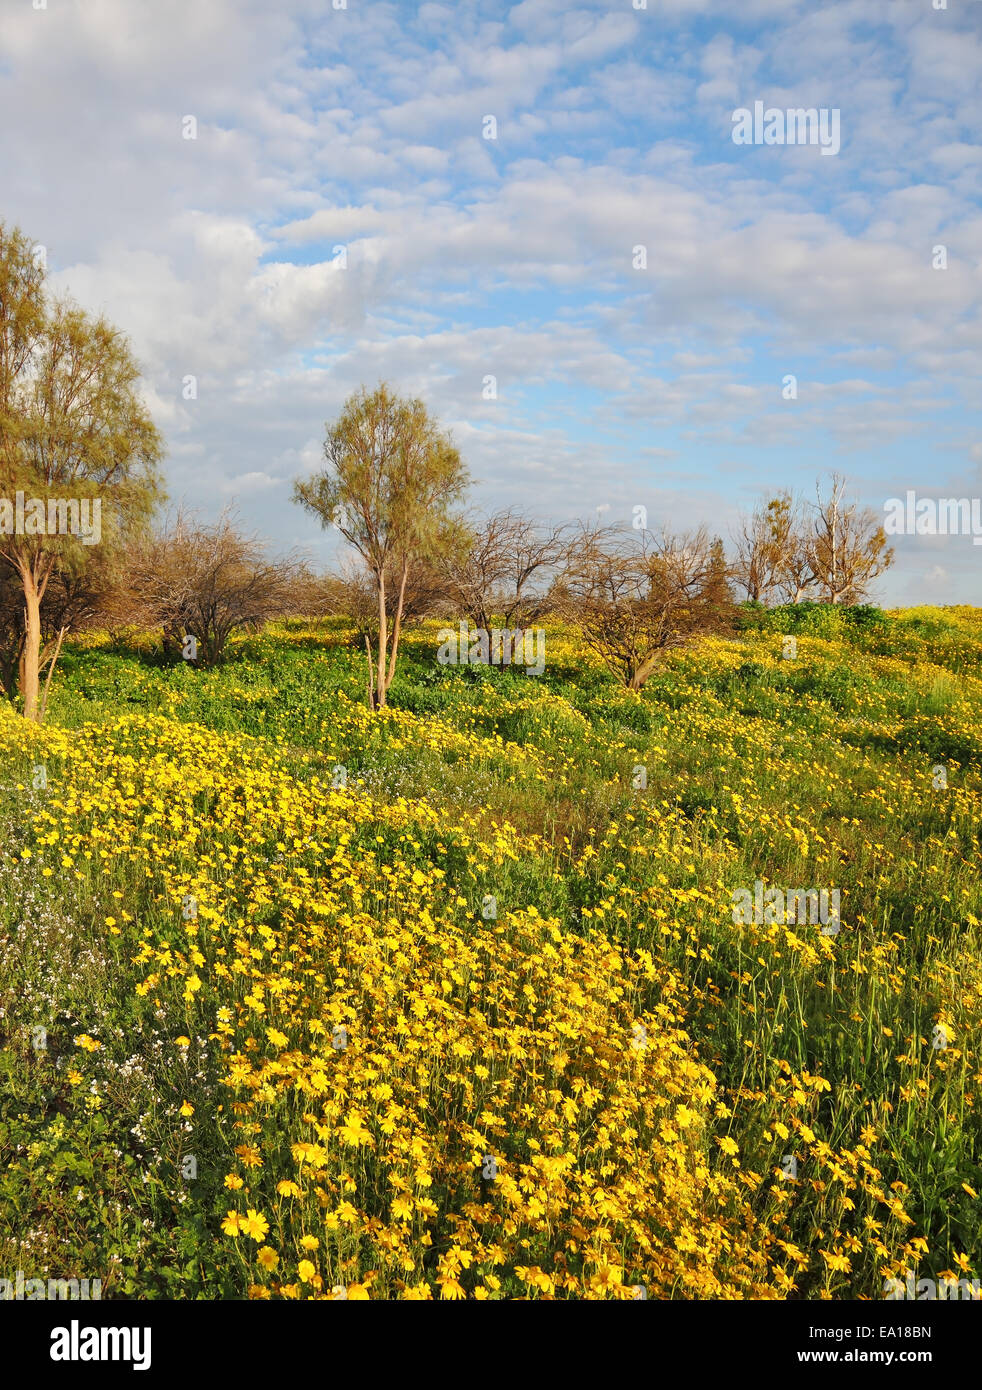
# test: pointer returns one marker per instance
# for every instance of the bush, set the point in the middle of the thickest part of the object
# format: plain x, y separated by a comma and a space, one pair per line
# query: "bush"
811, 619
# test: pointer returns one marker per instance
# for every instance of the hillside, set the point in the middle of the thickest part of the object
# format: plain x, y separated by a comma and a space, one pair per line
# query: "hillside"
449, 1001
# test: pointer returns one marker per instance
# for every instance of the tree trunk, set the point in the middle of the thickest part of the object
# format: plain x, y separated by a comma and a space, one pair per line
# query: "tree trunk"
383, 643
53, 662
30, 670
397, 628
371, 673
642, 673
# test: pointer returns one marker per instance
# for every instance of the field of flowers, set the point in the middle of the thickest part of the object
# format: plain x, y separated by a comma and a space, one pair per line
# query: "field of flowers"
449, 1001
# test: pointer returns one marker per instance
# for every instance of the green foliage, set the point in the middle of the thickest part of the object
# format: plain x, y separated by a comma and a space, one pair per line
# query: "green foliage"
812, 771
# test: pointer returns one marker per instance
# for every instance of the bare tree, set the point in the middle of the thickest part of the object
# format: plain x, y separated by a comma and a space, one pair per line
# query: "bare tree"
849, 547
784, 555
204, 582
772, 551
754, 563
790, 539
498, 564
636, 598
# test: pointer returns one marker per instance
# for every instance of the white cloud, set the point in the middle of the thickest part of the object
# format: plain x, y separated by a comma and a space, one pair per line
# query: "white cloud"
513, 257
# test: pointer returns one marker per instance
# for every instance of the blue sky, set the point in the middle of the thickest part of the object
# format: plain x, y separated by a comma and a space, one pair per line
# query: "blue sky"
363, 127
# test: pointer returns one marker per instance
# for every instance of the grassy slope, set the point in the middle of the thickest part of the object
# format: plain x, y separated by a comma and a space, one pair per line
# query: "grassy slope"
530, 956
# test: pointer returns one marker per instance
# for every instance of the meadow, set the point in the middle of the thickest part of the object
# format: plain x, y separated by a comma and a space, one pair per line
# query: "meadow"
448, 1001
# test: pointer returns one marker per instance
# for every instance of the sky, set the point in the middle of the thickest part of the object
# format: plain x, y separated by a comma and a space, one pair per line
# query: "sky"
535, 217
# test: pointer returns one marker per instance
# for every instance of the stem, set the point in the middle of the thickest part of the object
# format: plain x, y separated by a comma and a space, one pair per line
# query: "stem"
51, 671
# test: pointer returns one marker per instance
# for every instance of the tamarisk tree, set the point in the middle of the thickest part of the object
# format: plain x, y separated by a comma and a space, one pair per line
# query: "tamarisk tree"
391, 477
79, 452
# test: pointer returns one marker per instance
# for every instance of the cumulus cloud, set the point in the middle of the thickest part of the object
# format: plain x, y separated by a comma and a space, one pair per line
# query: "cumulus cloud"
332, 214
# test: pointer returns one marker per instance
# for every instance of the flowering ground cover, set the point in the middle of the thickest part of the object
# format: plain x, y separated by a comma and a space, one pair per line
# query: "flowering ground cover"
450, 1001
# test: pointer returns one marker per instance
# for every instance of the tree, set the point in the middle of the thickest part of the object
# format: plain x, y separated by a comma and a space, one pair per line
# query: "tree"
74, 436
772, 560
636, 598
753, 567
202, 581
849, 547
790, 541
11, 630
715, 594
492, 568
391, 477
784, 554
73, 601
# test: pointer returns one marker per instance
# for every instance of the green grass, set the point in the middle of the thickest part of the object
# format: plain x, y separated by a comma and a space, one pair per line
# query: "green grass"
808, 772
